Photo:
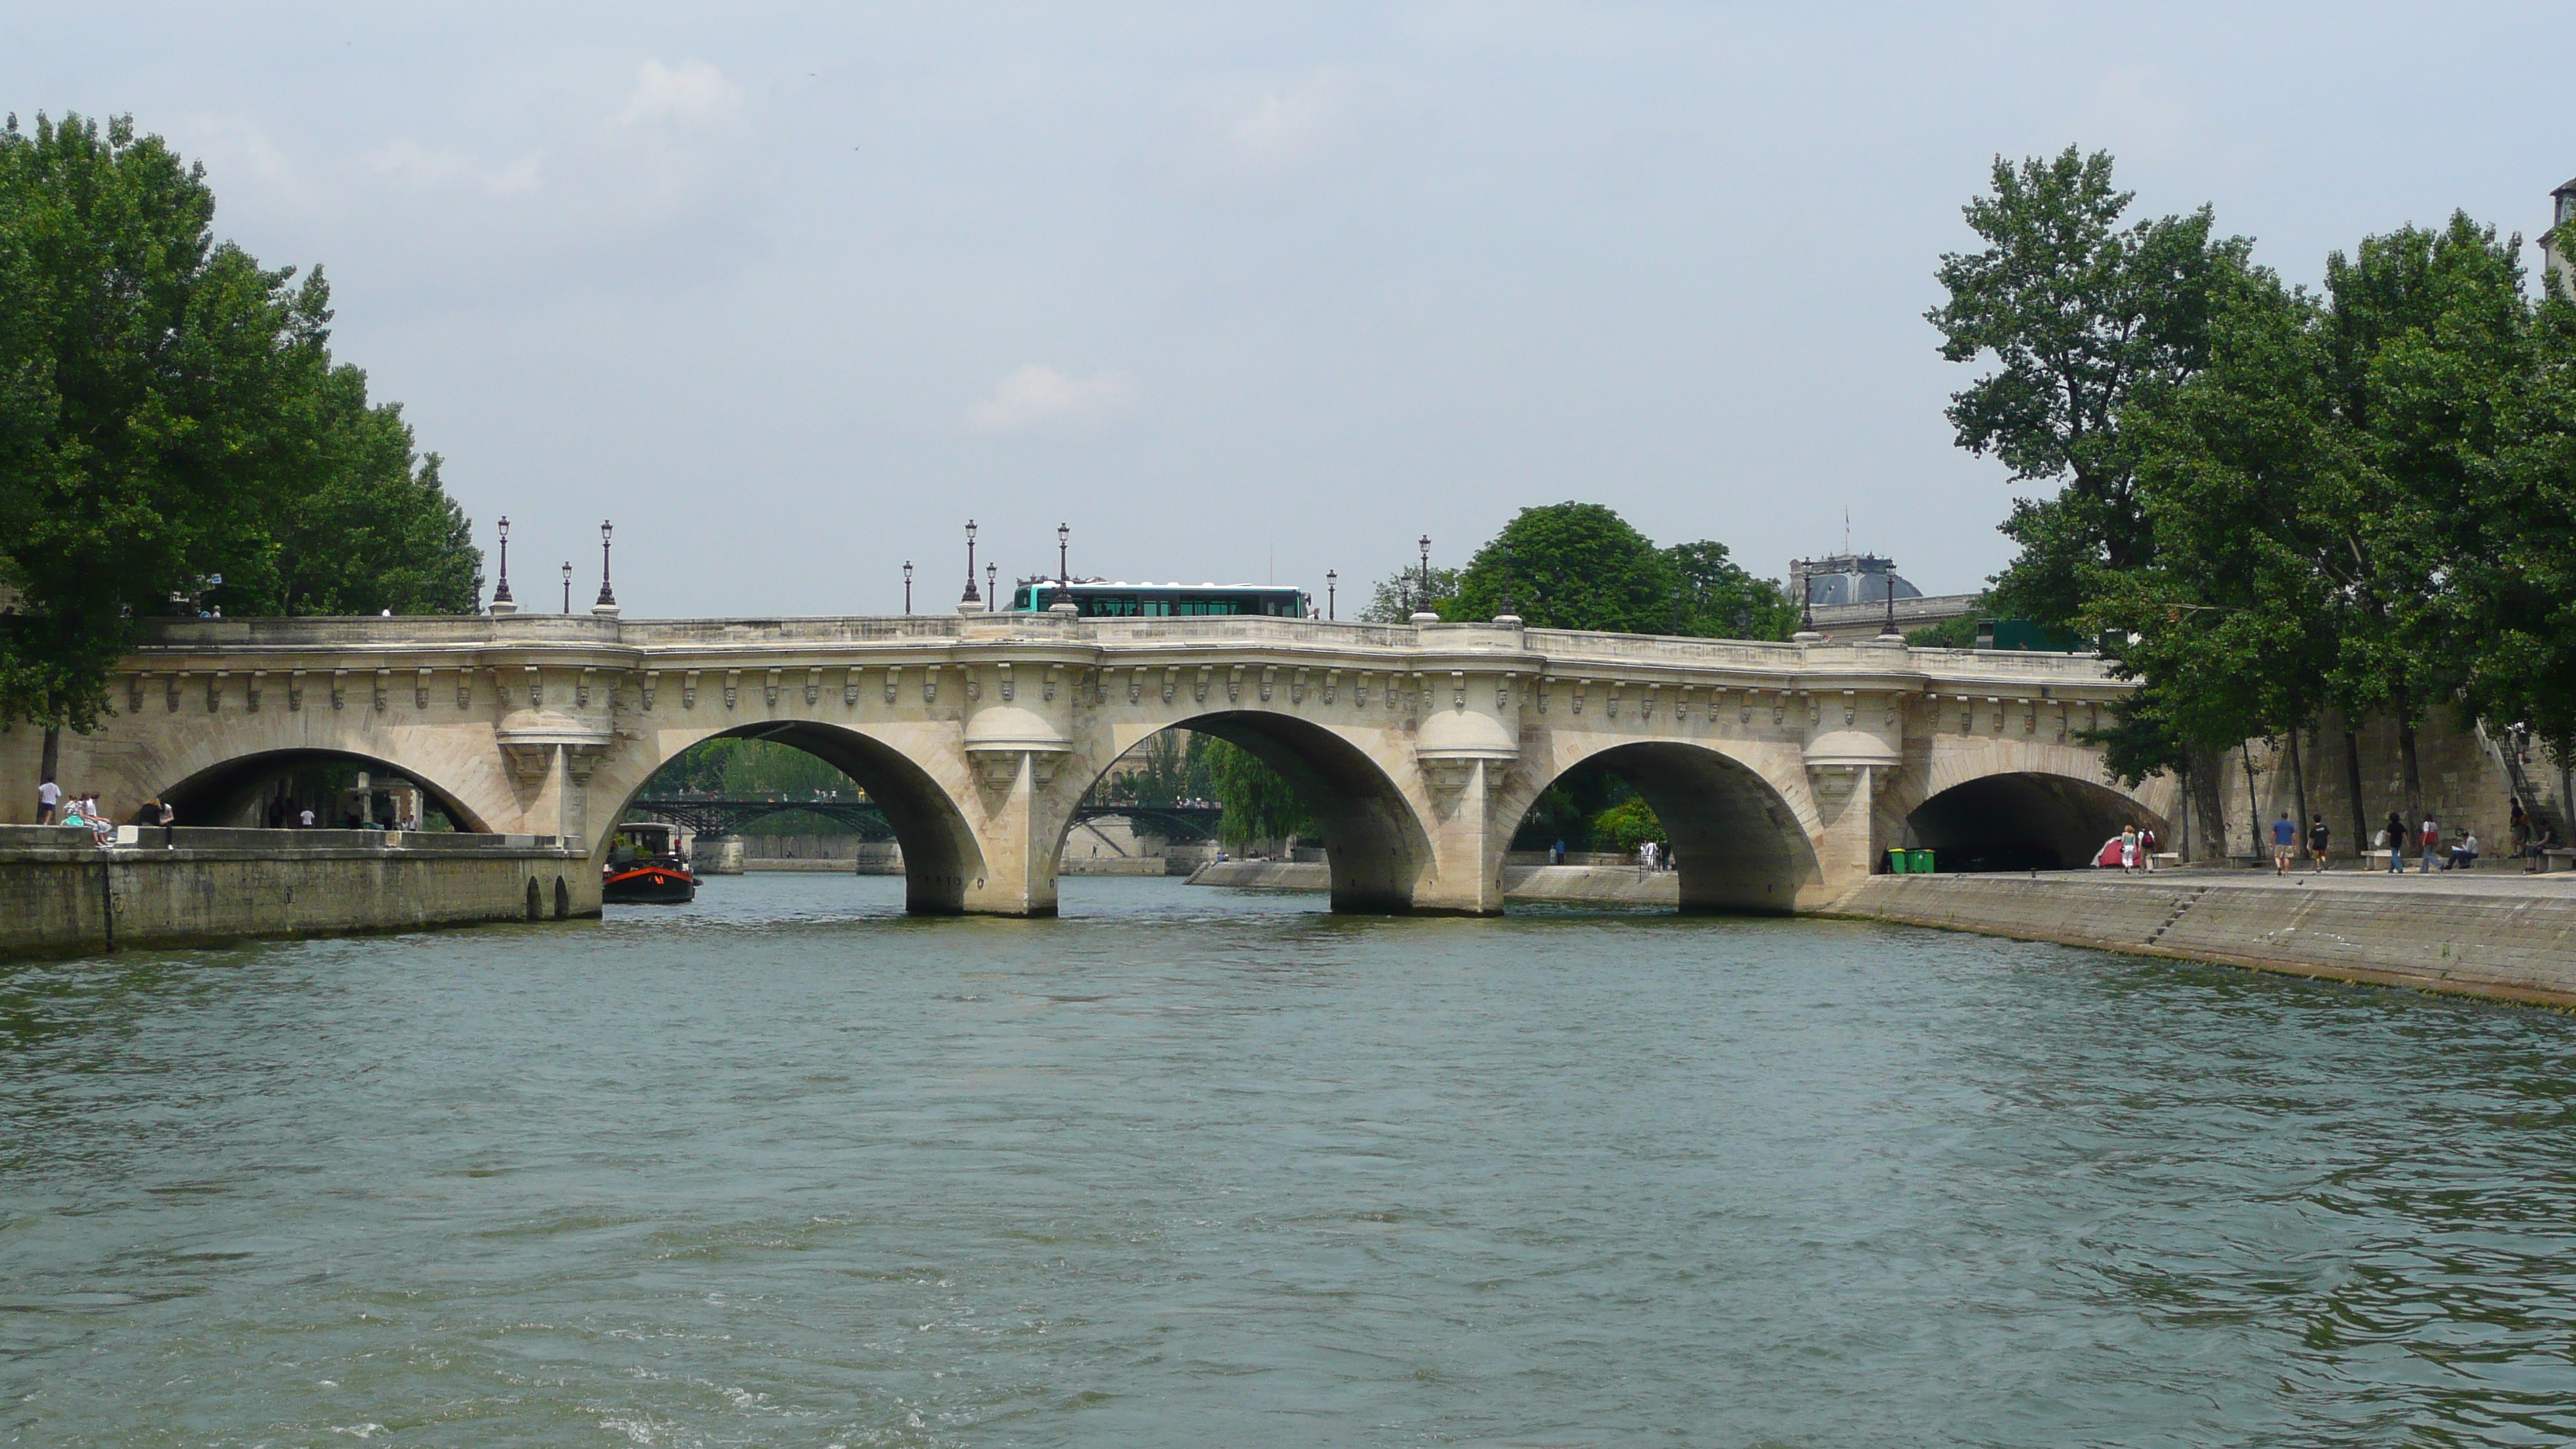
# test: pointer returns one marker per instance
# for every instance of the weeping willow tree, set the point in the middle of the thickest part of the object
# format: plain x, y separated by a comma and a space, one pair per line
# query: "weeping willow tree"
1259, 803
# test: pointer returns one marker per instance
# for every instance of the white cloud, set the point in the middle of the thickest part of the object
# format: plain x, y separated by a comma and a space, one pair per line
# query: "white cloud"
1036, 396
691, 93
1281, 128
414, 164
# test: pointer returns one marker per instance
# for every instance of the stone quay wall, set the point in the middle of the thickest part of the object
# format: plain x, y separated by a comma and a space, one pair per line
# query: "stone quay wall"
2497, 939
62, 895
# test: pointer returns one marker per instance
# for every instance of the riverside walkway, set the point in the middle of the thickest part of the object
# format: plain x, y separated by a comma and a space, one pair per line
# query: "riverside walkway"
2484, 932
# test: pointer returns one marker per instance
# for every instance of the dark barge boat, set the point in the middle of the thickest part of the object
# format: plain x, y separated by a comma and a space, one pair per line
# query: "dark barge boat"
645, 867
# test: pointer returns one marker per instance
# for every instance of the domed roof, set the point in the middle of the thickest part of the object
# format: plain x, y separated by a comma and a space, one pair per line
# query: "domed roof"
1009, 727
1463, 734
1850, 747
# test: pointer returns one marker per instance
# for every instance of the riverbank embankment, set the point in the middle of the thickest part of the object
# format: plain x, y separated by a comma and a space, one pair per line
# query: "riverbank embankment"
2500, 934
1614, 885
63, 895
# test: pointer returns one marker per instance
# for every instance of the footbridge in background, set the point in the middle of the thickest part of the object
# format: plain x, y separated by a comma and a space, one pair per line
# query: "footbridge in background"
728, 815
1782, 772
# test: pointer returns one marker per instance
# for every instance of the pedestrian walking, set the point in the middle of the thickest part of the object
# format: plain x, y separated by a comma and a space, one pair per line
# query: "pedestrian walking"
49, 798
2147, 845
2285, 843
1556, 853
2128, 849
2317, 837
2396, 842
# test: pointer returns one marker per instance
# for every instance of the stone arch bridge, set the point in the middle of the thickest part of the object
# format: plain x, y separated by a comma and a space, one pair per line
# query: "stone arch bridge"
1782, 771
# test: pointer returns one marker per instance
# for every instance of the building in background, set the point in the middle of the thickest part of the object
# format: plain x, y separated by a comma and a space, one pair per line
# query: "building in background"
1847, 594
2554, 262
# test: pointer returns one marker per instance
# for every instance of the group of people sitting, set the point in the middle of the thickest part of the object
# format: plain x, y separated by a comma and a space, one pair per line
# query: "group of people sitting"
82, 808
2533, 840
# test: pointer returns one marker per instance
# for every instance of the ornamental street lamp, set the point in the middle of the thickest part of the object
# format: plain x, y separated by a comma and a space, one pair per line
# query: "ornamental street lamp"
502, 603
567, 585
1332, 585
607, 597
970, 596
1422, 611
1063, 536
907, 586
992, 586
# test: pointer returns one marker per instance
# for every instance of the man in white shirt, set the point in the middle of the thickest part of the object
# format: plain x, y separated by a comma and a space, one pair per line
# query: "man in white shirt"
49, 798
304, 818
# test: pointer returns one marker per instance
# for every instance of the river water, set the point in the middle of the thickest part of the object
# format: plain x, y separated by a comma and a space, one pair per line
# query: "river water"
1197, 1168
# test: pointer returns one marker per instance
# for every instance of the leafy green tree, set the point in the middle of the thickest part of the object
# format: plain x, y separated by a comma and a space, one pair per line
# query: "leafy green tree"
1259, 803
2522, 575
1625, 826
1571, 566
2077, 313
1395, 598
169, 411
1720, 599
2331, 522
1959, 633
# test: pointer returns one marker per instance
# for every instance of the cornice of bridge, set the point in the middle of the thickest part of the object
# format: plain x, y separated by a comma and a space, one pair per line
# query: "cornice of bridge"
754, 646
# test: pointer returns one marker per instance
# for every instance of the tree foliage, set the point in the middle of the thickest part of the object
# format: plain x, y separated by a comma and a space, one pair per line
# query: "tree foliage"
1581, 566
169, 411
1259, 802
2360, 504
1625, 826
2077, 314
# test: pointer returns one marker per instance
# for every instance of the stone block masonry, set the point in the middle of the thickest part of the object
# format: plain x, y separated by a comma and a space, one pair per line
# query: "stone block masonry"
2496, 936
61, 895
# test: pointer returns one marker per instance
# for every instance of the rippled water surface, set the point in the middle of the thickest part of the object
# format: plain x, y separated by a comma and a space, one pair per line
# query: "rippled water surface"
1197, 1168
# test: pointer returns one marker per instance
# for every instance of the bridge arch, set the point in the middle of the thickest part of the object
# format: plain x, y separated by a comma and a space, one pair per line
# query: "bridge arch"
1739, 845
2024, 820
1373, 834
232, 791
942, 860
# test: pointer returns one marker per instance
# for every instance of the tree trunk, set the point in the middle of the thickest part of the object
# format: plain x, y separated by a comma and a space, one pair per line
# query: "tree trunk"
2413, 774
53, 755
2299, 784
2253, 805
2207, 783
2352, 781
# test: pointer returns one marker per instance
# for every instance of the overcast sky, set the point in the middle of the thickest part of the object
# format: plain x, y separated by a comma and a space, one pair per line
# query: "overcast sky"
1238, 292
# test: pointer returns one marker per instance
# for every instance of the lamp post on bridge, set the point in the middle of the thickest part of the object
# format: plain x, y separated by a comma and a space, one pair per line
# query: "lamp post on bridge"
502, 603
992, 585
1422, 610
1332, 587
607, 597
907, 586
1063, 573
971, 602
567, 572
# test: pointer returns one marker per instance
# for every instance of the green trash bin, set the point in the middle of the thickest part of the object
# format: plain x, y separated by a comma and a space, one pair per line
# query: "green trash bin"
1898, 862
1921, 862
